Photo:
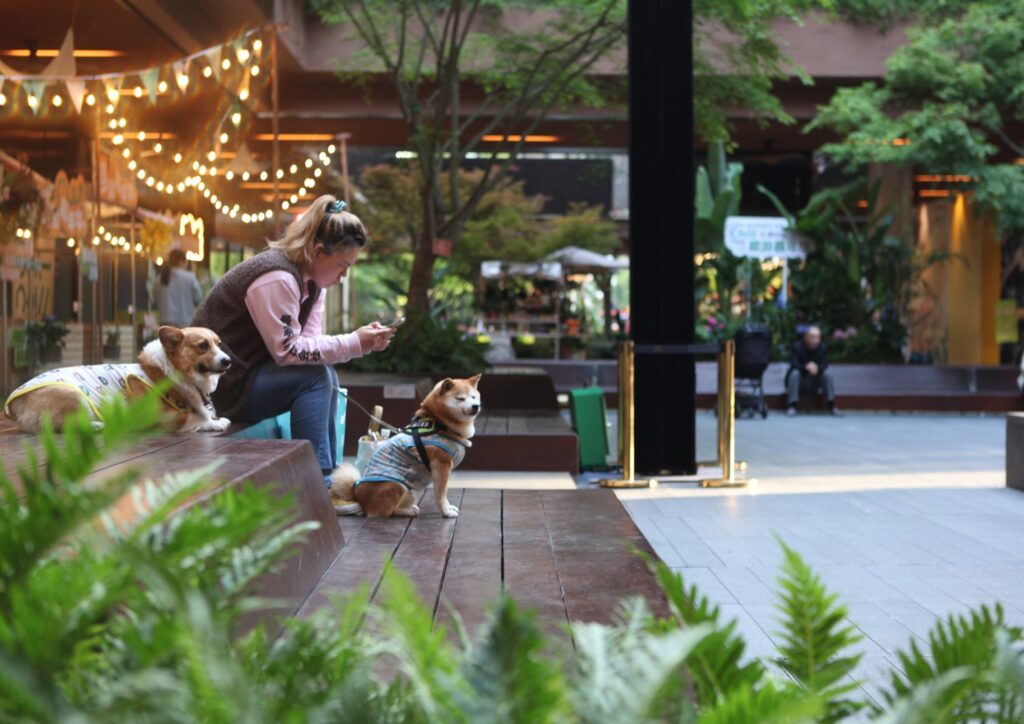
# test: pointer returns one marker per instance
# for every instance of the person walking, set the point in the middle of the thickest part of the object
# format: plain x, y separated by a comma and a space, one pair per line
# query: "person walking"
269, 310
177, 292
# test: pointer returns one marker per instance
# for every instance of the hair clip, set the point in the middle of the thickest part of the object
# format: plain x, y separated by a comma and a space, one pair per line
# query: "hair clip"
335, 206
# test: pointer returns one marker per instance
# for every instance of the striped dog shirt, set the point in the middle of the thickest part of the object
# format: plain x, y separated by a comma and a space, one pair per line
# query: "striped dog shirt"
396, 460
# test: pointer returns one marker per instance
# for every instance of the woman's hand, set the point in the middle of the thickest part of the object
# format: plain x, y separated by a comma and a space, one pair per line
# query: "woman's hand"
374, 337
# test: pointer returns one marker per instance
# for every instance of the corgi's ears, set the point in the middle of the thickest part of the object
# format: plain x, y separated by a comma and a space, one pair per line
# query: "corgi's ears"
446, 384
474, 380
171, 337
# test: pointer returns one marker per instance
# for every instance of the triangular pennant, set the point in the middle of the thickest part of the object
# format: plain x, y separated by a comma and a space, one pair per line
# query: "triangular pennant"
150, 79
7, 70
214, 57
76, 91
181, 74
112, 87
34, 90
63, 66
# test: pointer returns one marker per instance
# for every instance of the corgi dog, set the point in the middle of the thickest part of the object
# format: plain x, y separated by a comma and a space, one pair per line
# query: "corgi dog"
425, 453
192, 356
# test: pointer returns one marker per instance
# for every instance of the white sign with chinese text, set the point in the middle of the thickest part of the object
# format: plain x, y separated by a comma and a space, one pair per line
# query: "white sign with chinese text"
762, 237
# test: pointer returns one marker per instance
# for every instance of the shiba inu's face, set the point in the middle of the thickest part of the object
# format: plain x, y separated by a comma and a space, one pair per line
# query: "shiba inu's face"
461, 398
194, 352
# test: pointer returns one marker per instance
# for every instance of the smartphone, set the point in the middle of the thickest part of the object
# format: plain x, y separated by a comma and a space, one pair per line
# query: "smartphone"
395, 324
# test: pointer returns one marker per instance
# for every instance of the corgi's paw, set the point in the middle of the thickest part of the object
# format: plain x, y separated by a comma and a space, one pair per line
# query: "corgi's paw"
448, 510
216, 425
348, 508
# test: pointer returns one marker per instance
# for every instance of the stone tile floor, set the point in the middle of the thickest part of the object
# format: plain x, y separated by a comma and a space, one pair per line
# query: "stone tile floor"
904, 516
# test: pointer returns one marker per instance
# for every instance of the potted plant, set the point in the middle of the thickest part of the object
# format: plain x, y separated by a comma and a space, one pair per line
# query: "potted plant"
33, 344
112, 344
53, 333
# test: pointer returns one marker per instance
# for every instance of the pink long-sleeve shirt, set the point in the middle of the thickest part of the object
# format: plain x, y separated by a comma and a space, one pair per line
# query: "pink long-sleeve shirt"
273, 301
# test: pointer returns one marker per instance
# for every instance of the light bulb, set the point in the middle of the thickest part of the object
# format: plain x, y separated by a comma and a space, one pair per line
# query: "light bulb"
181, 186
224, 138
212, 155
293, 168
159, 185
112, 96
121, 122
159, 261
318, 172
229, 174
108, 236
71, 243
245, 175
245, 218
226, 63
213, 170
280, 173
182, 81
263, 176
112, 124
236, 118
162, 86
110, 108
257, 45
207, 72
138, 248
255, 70
3, 100
243, 54
141, 174
309, 163
117, 140
244, 94
177, 158
285, 205
101, 230
33, 102
57, 100
294, 198
90, 100
95, 241
203, 169
137, 92
142, 135
332, 148
126, 153
158, 147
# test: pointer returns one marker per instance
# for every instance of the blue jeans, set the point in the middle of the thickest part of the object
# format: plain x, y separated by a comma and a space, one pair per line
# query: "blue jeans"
309, 392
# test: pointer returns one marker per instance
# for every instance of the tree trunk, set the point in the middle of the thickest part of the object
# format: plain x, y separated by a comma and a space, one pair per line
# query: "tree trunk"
423, 258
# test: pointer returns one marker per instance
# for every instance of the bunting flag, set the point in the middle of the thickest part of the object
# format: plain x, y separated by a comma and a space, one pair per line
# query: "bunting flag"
63, 66
150, 79
214, 57
112, 86
34, 90
181, 74
76, 92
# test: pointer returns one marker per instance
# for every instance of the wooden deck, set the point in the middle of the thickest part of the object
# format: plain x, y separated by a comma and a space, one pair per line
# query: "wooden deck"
567, 554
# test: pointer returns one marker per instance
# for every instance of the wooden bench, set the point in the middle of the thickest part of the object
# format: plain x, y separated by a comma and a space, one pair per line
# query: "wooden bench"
1015, 450
568, 554
891, 387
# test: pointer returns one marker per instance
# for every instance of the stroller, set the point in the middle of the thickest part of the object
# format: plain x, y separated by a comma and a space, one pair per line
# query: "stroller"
753, 354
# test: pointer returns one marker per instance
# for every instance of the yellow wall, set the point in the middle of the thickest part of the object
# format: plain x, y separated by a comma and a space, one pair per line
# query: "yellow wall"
972, 287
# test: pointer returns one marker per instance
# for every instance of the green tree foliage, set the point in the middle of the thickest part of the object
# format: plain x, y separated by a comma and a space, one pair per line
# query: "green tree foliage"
954, 93
523, 71
111, 619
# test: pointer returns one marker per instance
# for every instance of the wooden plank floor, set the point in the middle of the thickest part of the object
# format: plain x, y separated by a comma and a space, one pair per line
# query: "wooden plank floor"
567, 554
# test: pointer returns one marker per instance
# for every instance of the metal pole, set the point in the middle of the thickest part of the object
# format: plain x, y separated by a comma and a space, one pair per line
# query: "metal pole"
275, 120
94, 284
627, 424
727, 423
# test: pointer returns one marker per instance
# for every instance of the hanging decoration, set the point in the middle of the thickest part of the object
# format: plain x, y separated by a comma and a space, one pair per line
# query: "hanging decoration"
76, 92
34, 90
150, 79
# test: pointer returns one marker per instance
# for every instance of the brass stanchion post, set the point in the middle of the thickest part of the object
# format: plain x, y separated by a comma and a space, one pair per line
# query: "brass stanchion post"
627, 424
727, 421
722, 406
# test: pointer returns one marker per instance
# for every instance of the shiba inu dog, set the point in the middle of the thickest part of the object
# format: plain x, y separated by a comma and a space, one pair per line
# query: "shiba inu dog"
192, 356
425, 453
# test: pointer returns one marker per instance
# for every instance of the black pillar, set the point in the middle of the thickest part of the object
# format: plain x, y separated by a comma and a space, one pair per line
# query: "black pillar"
661, 231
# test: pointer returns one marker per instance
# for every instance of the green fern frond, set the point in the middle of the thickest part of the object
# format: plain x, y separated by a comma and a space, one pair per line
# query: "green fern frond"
627, 673
406, 628
962, 642
717, 666
815, 636
510, 680
766, 704
931, 701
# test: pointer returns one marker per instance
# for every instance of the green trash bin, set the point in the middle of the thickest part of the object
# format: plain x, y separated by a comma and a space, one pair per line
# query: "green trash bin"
590, 421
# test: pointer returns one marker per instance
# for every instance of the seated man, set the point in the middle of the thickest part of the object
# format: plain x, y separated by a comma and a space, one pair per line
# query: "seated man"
808, 370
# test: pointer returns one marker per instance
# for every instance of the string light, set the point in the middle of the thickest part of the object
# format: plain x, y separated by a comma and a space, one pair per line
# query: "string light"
137, 92
90, 100
57, 100
257, 45
71, 242
223, 138
3, 100
255, 70
226, 64
158, 147
207, 72
33, 102
162, 86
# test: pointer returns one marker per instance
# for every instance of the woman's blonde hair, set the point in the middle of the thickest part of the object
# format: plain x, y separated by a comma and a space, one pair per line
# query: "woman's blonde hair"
325, 222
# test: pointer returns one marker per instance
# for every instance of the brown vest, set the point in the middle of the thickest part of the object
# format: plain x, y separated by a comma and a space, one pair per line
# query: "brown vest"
224, 312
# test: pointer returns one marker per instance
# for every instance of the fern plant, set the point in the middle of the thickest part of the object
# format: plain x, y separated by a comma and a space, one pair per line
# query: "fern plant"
111, 619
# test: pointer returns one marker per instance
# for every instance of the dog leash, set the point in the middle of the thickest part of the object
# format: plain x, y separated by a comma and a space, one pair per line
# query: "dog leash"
374, 418
416, 429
